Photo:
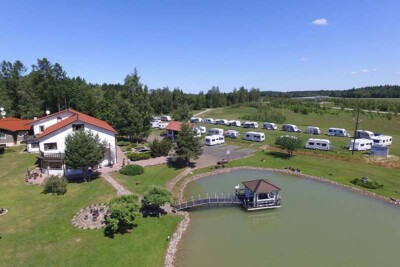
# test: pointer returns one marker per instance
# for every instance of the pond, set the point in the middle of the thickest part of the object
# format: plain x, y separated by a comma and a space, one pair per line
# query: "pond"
317, 225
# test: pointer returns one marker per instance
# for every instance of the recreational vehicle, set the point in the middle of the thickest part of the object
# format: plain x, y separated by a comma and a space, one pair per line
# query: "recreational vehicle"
313, 130
382, 140
318, 144
213, 140
162, 125
270, 126
290, 128
221, 122
364, 134
254, 136
250, 124
196, 132
202, 129
232, 134
361, 144
155, 124
234, 123
165, 118
216, 131
209, 120
196, 120
337, 132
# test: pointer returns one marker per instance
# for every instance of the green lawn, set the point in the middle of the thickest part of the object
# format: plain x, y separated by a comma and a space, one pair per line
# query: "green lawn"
37, 230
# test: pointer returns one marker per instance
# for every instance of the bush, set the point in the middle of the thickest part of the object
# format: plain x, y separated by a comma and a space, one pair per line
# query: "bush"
132, 170
367, 183
55, 185
124, 210
138, 156
156, 197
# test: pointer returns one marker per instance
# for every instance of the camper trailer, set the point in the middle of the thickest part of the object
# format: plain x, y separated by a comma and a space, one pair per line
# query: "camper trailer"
232, 134
162, 125
216, 131
290, 128
382, 140
165, 118
361, 144
196, 120
364, 134
202, 129
337, 132
254, 136
318, 144
221, 122
235, 123
155, 124
250, 124
196, 132
270, 126
313, 130
209, 120
213, 140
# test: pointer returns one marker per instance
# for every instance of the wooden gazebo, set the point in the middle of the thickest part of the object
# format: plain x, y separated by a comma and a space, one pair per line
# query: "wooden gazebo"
259, 194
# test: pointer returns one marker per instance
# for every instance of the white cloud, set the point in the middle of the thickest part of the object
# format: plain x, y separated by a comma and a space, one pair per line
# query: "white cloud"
375, 70
320, 22
364, 70
303, 59
353, 72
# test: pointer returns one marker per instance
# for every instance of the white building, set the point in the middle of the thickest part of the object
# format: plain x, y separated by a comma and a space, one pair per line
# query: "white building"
49, 139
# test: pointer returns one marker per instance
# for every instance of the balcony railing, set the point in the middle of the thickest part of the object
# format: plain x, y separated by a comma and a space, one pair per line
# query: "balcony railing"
49, 156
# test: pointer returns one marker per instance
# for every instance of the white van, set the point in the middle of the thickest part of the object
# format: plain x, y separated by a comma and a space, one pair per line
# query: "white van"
216, 131
165, 118
250, 124
254, 136
319, 144
270, 126
337, 132
382, 140
221, 122
235, 123
290, 128
364, 134
213, 140
232, 134
202, 129
313, 130
162, 125
209, 120
196, 120
361, 144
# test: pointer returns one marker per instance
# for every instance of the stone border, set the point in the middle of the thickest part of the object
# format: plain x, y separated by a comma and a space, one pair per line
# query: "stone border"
4, 212
177, 236
74, 220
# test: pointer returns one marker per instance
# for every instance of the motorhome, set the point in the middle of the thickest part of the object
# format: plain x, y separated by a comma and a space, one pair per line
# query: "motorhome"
250, 124
318, 144
382, 140
165, 118
196, 120
270, 126
361, 144
162, 125
213, 140
209, 120
196, 132
290, 128
155, 124
235, 123
254, 136
313, 130
232, 134
364, 134
337, 132
221, 122
216, 131
202, 129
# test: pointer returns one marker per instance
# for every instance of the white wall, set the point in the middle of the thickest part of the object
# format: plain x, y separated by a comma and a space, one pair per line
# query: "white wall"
49, 121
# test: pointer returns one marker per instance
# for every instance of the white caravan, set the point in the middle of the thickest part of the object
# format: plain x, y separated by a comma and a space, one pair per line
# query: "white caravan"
361, 144
221, 122
364, 134
235, 123
338, 132
254, 136
165, 118
162, 125
202, 129
196, 120
270, 126
290, 128
196, 132
209, 120
313, 130
216, 131
232, 134
155, 124
213, 140
318, 144
382, 140
250, 124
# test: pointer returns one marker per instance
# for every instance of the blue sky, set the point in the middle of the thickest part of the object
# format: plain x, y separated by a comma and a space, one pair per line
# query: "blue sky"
194, 45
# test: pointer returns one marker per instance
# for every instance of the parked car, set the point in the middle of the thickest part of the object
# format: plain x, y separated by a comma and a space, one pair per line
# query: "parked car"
141, 149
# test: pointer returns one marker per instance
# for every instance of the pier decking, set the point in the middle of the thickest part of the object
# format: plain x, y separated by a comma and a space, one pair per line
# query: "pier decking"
208, 200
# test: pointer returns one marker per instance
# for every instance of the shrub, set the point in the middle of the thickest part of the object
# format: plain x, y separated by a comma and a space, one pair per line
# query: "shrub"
124, 210
156, 197
367, 183
55, 185
132, 170
123, 143
138, 156
161, 148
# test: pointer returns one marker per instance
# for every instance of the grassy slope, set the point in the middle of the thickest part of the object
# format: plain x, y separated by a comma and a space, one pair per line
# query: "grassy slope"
37, 230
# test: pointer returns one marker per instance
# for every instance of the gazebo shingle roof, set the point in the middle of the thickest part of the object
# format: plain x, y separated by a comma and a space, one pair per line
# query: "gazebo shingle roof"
260, 186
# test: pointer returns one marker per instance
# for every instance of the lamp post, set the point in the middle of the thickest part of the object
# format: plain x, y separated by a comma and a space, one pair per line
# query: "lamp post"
3, 112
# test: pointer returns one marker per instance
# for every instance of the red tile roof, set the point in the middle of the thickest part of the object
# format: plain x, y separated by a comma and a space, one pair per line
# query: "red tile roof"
175, 126
78, 116
15, 124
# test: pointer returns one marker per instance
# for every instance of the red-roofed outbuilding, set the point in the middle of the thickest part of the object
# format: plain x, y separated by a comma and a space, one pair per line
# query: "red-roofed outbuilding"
13, 130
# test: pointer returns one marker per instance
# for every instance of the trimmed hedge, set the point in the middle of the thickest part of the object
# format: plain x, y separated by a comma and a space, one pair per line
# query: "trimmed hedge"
138, 156
132, 170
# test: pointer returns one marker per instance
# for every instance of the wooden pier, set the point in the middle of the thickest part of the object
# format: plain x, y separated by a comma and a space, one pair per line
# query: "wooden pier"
208, 200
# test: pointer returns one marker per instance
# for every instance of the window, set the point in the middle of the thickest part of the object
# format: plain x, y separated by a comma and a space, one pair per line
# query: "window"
50, 146
318, 144
35, 145
311, 143
2, 135
323, 144
55, 165
77, 127
41, 128
21, 134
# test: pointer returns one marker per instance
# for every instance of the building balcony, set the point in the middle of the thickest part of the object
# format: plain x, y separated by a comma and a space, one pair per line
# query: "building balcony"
51, 156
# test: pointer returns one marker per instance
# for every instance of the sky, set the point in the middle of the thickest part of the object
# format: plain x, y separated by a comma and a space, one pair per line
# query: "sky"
194, 45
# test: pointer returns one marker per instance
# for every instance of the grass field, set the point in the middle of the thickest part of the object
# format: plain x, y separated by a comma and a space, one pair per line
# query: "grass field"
37, 230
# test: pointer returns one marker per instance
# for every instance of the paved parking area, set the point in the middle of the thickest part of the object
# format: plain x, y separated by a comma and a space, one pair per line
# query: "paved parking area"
213, 154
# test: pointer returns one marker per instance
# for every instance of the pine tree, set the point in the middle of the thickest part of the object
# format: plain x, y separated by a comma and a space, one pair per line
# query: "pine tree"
188, 146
